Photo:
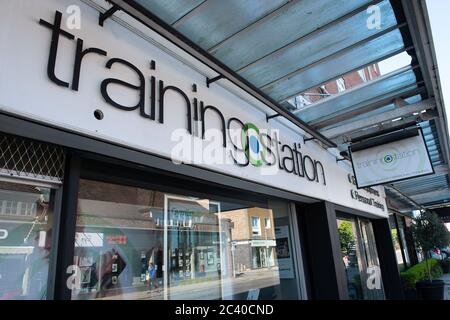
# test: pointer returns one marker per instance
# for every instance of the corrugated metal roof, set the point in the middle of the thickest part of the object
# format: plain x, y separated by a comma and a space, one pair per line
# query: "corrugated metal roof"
369, 114
284, 48
385, 88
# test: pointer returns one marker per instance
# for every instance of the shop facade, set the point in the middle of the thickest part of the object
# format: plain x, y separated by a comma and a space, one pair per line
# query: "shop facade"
125, 176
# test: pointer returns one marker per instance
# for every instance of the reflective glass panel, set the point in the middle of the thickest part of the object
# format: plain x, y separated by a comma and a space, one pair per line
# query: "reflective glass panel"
25, 240
350, 256
134, 243
360, 258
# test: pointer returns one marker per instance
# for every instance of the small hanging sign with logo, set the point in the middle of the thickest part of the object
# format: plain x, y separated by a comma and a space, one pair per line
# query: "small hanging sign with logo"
397, 156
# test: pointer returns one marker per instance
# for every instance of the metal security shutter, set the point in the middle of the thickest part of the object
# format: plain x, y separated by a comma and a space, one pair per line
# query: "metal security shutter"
31, 160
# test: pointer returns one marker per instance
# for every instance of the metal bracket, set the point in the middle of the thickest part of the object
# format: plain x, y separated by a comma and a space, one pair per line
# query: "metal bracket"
209, 81
107, 14
272, 116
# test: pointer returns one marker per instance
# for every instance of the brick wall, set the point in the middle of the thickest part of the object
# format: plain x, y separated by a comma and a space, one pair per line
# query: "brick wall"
351, 80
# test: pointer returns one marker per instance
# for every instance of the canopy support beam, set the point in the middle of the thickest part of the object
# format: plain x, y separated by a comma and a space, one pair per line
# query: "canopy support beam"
212, 80
103, 16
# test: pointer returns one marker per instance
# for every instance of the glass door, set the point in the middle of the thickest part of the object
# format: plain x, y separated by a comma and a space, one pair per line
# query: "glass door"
349, 241
360, 258
373, 289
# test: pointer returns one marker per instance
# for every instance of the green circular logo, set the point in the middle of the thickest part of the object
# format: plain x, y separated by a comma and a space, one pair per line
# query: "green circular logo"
252, 144
388, 158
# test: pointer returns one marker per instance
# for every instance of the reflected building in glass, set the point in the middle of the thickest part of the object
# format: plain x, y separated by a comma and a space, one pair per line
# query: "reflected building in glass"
253, 238
25, 242
134, 243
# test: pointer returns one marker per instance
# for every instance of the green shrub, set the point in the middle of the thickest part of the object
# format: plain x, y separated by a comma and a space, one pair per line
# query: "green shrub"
419, 272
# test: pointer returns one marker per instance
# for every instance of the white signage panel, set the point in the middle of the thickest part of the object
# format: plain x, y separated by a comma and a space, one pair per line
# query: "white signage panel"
263, 243
99, 82
393, 161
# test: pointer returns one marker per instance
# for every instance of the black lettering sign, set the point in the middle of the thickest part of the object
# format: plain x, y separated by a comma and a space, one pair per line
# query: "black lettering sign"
274, 152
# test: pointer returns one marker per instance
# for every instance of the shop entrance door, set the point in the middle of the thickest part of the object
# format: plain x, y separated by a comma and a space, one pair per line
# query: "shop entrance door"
360, 258
372, 274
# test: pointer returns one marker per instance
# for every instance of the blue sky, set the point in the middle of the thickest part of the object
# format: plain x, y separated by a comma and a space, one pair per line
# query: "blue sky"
439, 11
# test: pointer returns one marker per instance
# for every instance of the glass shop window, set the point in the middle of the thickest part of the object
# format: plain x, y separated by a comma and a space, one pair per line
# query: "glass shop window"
399, 241
340, 83
256, 227
25, 240
31, 173
402, 238
362, 74
134, 243
267, 223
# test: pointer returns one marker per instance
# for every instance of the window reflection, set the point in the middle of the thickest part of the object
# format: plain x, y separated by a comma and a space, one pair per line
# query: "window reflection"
133, 243
360, 259
398, 227
348, 240
25, 241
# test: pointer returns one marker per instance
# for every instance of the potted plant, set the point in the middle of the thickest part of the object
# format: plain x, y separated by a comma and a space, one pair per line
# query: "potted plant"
430, 233
416, 273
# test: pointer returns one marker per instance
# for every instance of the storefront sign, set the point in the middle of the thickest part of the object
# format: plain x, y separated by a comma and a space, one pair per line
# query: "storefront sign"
393, 161
263, 243
370, 200
111, 84
255, 147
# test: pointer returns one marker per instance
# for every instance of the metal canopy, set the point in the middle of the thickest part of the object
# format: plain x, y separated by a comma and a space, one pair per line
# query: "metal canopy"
279, 49
386, 88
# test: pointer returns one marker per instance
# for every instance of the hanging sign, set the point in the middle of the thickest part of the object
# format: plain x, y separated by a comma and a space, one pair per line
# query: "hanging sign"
398, 156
